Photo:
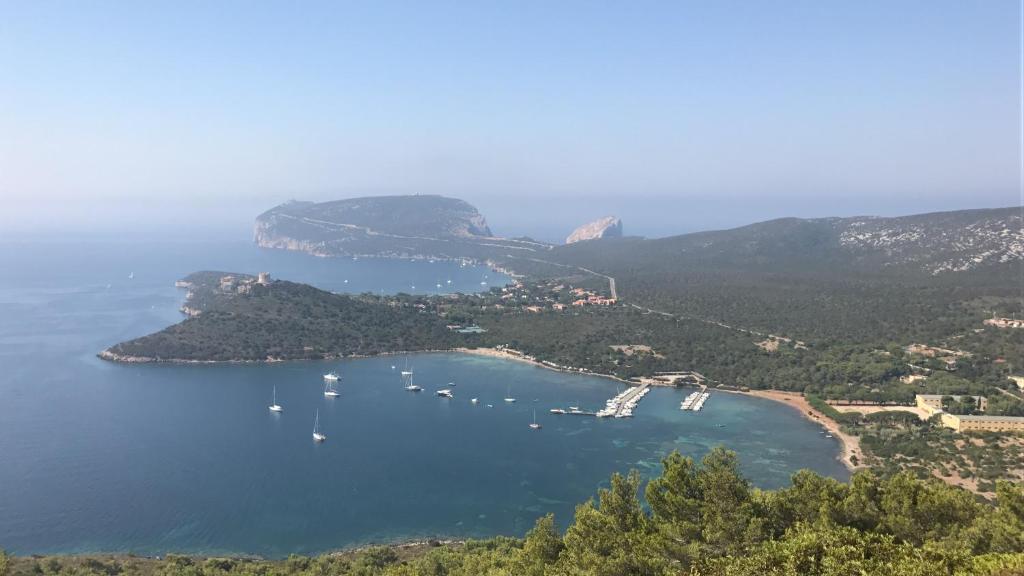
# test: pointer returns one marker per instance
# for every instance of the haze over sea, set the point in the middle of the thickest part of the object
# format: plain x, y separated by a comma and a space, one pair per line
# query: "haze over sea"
158, 458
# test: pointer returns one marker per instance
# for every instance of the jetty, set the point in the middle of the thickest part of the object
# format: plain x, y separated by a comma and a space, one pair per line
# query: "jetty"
621, 406
695, 401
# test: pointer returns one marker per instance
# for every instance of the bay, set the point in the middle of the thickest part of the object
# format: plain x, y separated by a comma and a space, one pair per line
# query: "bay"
158, 458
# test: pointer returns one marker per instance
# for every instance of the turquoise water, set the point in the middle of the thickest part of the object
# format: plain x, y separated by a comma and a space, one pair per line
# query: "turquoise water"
153, 458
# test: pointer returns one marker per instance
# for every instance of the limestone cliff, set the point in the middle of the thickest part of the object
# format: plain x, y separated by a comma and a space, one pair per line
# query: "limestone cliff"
606, 227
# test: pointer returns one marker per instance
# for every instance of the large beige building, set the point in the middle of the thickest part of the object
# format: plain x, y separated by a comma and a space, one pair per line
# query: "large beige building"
983, 423
932, 403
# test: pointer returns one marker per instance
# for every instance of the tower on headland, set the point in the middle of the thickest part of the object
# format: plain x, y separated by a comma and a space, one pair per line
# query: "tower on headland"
263, 278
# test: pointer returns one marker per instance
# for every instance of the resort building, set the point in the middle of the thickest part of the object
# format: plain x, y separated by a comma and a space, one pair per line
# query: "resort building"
983, 423
1019, 380
1005, 322
931, 404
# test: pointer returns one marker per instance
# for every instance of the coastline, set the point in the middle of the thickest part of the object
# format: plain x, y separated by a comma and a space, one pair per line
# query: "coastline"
850, 444
404, 547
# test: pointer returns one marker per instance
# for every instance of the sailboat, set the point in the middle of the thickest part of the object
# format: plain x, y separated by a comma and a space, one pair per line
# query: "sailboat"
508, 395
407, 378
275, 407
534, 425
329, 390
317, 435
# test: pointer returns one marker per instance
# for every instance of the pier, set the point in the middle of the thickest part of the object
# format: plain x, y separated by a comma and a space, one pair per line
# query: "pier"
621, 406
695, 401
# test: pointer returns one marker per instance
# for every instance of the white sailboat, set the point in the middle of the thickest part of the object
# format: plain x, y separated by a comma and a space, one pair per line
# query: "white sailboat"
407, 378
317, 435
329, 390
508, 395
275, 407
534, 425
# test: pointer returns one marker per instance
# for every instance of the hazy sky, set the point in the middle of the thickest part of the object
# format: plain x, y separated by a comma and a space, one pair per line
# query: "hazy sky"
123, 113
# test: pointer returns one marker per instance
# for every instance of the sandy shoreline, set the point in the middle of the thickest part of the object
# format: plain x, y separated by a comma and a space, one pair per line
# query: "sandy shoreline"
505, 355
850, 444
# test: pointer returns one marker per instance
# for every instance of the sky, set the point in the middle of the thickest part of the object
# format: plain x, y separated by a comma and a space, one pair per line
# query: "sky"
182, 116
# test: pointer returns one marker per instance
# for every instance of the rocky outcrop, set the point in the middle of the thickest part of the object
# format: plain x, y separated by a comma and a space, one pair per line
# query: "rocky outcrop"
939, 242
606, 227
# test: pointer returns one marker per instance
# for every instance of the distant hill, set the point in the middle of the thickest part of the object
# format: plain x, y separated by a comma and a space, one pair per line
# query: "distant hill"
397, 226
932, 244
860, 279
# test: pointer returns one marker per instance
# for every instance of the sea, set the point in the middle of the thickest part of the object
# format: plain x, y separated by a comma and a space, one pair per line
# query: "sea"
152, 459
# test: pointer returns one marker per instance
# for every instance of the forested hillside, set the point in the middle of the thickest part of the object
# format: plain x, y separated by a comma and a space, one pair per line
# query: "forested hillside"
868, 280
247, 321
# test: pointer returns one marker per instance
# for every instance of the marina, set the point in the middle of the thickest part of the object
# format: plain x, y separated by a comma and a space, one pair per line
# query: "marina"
622, 405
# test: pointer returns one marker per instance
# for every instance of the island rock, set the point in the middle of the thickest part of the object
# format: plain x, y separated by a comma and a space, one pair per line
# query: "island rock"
606, 227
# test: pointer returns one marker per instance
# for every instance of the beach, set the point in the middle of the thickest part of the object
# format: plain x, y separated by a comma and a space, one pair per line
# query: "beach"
850, 443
